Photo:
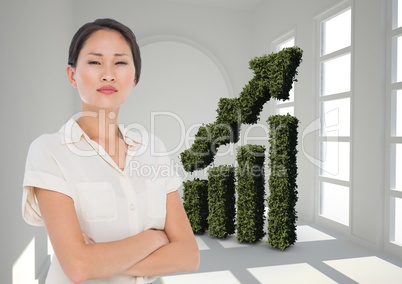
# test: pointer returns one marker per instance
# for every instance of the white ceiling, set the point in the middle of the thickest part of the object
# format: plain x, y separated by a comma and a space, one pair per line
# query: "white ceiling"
231, 4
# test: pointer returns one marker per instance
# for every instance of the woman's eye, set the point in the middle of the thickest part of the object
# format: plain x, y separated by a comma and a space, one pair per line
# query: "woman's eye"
121, 63
94, 63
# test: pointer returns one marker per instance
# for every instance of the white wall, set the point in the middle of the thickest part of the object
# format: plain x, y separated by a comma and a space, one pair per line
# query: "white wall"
35, 98
369, 122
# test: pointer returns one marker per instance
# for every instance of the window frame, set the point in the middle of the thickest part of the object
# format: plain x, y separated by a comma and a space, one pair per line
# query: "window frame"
329, 14
391, 88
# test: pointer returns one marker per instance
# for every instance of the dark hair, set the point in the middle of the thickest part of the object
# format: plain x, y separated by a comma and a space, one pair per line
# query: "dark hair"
82, 35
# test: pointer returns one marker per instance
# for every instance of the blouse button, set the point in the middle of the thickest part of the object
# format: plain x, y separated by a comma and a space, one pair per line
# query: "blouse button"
132, 206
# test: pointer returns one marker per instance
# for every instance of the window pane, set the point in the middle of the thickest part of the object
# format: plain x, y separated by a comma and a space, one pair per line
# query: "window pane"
398, 60
396, 113
335, 157
334, 202
396, 167
399, 15
335, 117
289, 43
285, 110
396, 220
336, 33
335, 75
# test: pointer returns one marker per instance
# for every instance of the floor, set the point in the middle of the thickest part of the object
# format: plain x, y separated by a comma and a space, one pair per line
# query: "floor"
317, 257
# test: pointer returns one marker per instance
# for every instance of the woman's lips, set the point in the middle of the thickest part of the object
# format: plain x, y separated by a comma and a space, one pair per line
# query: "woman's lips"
107, 90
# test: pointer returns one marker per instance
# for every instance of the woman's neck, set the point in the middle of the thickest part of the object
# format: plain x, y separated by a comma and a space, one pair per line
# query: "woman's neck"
100, 125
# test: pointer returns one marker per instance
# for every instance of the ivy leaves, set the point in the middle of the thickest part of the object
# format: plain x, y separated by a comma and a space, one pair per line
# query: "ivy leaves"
282, 215
274, 75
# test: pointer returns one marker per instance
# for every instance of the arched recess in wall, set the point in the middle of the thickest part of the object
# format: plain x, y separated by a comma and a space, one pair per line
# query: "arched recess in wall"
180, 85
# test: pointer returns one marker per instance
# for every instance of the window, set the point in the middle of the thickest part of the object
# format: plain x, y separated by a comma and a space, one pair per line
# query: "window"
285, 107
334, 104
335, 75
336, 33
394, 92
335, 202
396, 221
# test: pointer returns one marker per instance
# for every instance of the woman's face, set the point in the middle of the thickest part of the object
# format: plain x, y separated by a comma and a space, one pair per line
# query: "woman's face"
104, 74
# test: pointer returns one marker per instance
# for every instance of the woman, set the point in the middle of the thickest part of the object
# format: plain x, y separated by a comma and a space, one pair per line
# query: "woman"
107, 223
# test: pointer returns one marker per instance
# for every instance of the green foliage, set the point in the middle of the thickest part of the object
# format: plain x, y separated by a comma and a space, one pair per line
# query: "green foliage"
250, 193
277, 71
282, 215
252, 99
207, 140
229, 116
274, 75
228, 111
202, 152
221, 201
195, 202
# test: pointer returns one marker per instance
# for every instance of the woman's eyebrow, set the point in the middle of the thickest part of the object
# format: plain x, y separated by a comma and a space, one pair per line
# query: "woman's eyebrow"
95, 54
100, 54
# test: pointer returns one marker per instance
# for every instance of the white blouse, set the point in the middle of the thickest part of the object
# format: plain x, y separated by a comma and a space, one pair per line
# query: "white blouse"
110, 203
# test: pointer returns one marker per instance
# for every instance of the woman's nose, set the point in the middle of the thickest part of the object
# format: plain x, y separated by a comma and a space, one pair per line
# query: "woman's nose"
108, 75
107, 78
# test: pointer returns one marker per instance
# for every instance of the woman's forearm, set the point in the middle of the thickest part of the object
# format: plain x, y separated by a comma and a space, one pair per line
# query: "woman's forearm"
101, 260
180, 254
173, 257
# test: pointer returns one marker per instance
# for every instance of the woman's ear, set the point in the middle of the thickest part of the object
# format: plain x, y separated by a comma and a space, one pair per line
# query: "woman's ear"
71, 74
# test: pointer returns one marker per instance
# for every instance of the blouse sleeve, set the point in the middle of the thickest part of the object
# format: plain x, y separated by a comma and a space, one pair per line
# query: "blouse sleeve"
43, 171
169, 170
